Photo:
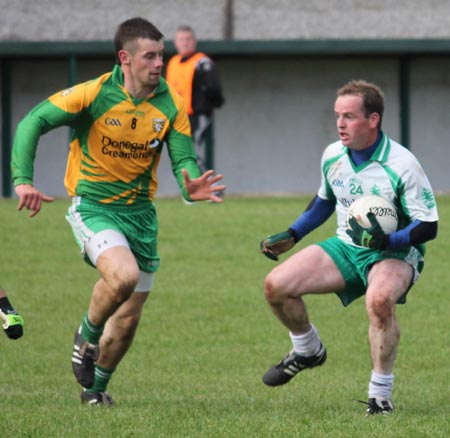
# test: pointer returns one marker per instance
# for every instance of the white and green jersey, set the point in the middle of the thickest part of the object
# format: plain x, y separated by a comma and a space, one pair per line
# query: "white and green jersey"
392, 172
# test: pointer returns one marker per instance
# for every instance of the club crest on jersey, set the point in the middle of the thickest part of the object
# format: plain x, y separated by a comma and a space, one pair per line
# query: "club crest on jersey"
428, 198
158, 125
375, 190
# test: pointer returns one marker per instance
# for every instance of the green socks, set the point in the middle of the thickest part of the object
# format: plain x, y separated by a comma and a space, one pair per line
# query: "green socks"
102, 378
90, 332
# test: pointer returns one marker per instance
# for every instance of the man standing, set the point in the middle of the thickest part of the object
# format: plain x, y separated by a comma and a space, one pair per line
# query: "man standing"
195, 77
358, 261
120, 123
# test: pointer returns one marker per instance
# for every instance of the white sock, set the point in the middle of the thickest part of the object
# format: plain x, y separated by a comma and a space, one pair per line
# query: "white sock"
307, 344
380, 385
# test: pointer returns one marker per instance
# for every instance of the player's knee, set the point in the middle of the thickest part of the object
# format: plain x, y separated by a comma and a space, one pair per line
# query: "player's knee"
273, 289
380, 308
123, 283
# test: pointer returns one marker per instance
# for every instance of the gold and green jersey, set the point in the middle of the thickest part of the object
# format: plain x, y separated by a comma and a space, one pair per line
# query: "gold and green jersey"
116, 140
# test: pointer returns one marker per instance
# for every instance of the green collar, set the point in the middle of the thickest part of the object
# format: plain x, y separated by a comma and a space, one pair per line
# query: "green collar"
381, 153
117, 78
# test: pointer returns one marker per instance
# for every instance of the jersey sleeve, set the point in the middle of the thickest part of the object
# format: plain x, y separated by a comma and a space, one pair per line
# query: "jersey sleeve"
181, 149
58, 110
42, 119
329, 157
417, 197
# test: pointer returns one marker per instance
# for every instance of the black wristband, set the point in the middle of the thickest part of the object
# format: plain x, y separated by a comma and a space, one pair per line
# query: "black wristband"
5, 305
293, 234
381, 246
385, 243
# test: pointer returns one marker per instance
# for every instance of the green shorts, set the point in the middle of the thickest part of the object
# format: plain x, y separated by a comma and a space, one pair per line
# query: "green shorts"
138, 224
354, 264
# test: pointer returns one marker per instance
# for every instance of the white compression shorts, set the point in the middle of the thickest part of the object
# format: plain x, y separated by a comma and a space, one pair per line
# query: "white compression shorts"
106, 239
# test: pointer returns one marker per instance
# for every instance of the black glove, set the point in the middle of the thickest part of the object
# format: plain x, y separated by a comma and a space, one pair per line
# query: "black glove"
373, 237
279, 243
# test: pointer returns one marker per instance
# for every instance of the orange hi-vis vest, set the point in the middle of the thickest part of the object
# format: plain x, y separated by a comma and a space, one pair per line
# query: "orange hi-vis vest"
181, 75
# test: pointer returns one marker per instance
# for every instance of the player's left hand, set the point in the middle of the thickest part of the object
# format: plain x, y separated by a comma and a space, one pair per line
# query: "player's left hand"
13, 326
203, 188
372, 237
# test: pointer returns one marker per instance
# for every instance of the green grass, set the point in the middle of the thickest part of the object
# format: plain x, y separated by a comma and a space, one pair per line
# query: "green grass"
207, 336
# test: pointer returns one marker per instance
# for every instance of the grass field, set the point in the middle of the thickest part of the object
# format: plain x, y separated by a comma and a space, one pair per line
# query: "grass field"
207, 336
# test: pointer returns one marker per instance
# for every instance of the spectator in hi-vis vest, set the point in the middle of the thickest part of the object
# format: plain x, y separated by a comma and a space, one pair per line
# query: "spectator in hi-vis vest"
194, 75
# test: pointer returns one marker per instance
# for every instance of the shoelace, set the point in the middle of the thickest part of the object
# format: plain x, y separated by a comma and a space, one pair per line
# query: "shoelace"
373, 407
363, 402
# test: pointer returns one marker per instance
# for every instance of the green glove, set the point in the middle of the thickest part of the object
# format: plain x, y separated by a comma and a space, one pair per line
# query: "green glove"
13, 326
279, 243
372, 237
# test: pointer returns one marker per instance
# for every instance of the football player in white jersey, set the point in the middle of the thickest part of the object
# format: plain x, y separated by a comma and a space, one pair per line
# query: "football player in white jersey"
357, 261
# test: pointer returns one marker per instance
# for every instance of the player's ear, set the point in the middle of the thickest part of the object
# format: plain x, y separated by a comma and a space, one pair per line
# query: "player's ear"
374, 119
124, 57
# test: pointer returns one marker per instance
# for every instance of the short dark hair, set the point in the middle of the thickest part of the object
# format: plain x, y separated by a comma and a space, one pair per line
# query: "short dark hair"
185, 28
133, 29
371, 94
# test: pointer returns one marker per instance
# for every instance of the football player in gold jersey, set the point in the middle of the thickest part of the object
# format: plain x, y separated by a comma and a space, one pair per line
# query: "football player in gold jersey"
120, 123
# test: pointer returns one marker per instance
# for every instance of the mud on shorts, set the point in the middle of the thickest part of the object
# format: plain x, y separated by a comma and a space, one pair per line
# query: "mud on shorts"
134, 226
355, 262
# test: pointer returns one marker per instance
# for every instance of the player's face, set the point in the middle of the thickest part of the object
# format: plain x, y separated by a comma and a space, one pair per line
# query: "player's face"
355, 130
185, 42
146, 62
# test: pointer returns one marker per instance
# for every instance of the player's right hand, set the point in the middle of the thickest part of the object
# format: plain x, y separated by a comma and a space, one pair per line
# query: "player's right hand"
13, 326
277, 244
31, 198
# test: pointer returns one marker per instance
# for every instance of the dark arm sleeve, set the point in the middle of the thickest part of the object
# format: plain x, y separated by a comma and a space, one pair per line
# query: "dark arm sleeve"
416, 232
317, 212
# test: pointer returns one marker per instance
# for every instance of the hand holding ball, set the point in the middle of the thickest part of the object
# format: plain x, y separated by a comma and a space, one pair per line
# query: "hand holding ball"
384, 211
370, 220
